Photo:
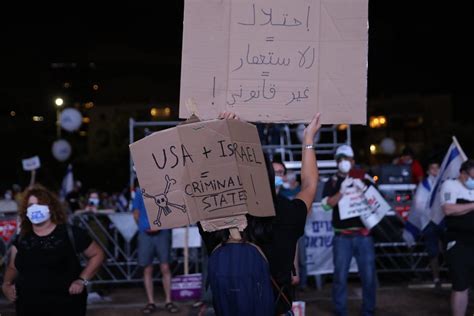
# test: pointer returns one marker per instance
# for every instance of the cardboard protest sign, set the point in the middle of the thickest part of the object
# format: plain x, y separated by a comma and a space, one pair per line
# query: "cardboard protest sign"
276, 60
212, 171
378, 208
31, 164
352, 204
178, 238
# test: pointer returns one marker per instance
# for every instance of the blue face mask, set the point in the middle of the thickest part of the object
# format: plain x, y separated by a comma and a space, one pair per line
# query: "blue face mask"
278, 181
469, 183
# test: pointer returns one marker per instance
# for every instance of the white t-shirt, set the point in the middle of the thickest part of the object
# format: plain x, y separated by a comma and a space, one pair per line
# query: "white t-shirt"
453, 190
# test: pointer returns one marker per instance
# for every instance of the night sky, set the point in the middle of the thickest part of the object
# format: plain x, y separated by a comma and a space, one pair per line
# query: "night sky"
414, 47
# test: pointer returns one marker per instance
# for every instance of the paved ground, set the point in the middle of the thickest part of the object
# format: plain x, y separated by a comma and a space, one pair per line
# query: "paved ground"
394, 300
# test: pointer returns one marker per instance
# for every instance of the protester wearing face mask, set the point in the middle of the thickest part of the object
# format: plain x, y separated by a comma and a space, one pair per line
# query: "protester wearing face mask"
44, 276
100, 224
280, 174
93, 202
351, 238
457, 200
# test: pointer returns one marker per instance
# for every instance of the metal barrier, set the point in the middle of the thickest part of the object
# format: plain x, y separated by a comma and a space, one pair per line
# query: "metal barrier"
120, 248
118, 239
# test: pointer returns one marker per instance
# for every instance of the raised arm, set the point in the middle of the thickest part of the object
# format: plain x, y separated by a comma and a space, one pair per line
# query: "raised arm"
309, 169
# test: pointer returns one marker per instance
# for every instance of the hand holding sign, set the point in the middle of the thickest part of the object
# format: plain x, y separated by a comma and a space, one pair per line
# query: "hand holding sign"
346, 184
228, 116
360, 185
312, 128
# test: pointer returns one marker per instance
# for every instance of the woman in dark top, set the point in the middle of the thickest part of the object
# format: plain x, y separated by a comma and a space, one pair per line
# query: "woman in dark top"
44, 276
277, 236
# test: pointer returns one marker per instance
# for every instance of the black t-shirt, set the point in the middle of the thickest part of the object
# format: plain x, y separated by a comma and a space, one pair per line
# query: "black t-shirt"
287, 227
331, 188
48, 264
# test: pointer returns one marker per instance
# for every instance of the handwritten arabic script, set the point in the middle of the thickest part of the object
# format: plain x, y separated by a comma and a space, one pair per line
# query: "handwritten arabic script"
274, 60
270, 45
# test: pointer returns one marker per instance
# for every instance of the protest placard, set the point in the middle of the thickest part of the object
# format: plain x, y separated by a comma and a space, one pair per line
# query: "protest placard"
210, 171
352, 204
31, 164
276, 60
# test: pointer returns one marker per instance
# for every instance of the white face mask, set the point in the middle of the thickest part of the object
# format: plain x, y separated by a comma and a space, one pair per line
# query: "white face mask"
94, 201
37, 213
344, 166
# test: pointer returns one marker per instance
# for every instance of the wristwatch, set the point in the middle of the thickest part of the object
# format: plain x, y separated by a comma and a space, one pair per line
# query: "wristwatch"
311, 146
85, 282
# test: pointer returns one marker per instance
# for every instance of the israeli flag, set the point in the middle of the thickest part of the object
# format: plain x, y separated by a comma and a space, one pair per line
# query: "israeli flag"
67, 184
426, 203
419, 216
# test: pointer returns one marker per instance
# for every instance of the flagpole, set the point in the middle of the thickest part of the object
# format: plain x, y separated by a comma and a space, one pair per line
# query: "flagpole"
463, 155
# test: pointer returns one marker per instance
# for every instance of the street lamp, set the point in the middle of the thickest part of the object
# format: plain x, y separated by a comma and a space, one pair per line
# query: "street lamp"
59, 102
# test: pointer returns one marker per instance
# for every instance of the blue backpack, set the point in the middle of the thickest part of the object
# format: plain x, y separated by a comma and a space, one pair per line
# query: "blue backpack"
239, 276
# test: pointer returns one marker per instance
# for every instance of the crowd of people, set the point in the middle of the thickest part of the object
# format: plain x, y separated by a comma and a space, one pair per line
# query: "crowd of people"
249, 272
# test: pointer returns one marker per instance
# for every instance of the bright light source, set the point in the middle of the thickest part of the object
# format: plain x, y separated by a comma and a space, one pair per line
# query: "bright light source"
86, 120
154, 112
37, 118
373, 149
12, 113
342, 127
59, 102
167, 111
89, 105
377, 121
95, 87
376, 178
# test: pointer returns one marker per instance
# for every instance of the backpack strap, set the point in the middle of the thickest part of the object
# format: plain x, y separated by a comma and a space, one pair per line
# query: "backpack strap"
280, 293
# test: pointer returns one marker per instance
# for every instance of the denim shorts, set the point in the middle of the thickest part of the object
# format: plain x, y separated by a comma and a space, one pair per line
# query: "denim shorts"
154, 245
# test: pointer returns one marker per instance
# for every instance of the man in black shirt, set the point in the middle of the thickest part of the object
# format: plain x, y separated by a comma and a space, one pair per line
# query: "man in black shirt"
457, 200
351, 238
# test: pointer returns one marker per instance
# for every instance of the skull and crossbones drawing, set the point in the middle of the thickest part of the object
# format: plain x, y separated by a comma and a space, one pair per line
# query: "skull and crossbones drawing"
161, 200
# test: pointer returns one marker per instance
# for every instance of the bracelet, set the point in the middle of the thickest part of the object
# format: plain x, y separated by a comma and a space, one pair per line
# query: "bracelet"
85, 282
308, 146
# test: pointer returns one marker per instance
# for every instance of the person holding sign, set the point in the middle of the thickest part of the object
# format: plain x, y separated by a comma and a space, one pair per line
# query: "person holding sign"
351, 238
243, 267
